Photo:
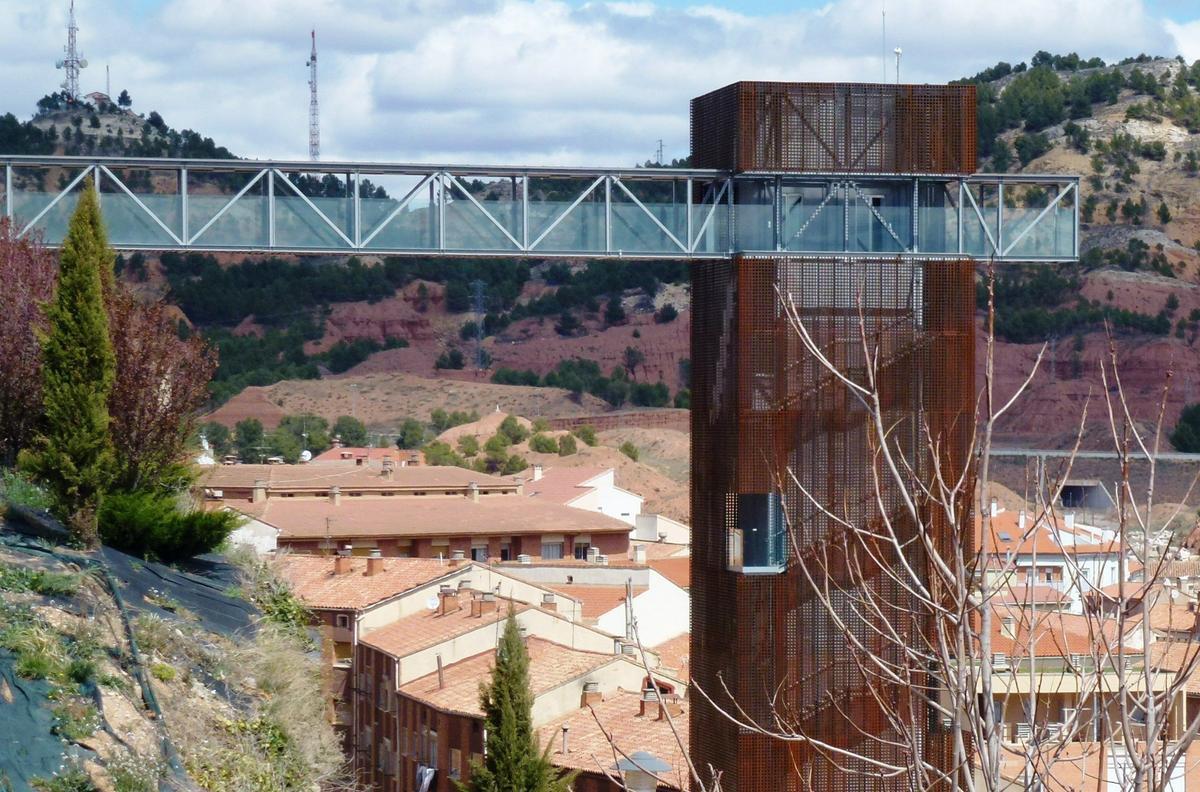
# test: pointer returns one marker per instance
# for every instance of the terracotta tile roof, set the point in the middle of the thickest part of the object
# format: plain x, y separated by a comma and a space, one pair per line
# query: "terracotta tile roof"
312, 579
1033, 595
432, 515
678, 570
430, 628
657, 550
1007, 536
562, 484
322, 476
550, 665
589, 749
595, 601
675, 656
1049, 634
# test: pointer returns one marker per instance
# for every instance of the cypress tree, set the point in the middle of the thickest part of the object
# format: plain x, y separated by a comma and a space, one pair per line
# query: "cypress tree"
72, 454
512, 761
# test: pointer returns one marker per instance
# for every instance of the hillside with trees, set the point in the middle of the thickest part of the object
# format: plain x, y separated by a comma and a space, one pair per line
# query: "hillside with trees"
1132, 129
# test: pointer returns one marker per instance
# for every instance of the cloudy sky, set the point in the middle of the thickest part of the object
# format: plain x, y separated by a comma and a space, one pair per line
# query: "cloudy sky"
526, 81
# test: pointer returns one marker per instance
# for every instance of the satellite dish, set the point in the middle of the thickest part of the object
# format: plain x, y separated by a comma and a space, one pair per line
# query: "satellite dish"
306, 456
83, 63
432, 603
58, 64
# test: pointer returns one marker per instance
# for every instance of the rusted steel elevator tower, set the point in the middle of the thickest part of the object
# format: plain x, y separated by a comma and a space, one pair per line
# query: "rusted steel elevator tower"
856, 180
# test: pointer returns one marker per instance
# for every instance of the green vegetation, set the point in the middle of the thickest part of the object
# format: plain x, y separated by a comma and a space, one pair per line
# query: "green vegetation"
542, 444
350, 431
585, 376
630, 450
1186, 435
512, 759
39, 581
152, 525
412, 434
567, 445
163, 672
586, 433
73, 453
513, 430
69, 779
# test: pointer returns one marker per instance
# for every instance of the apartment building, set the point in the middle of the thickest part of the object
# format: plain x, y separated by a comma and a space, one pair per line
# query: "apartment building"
418, 720
417, 512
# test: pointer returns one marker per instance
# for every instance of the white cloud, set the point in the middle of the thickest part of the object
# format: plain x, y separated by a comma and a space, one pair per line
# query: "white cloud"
536, 81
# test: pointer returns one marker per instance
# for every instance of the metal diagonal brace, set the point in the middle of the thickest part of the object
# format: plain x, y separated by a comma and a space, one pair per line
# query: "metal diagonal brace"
225, 208
711, 211
983, 223
566, 211
313, 206
828, 197
143, 206
56, 199
879, 218
399, 208
454, 181
649, 214
1062, 193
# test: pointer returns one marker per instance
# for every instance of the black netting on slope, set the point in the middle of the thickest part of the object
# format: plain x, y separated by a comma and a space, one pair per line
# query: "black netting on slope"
28, 749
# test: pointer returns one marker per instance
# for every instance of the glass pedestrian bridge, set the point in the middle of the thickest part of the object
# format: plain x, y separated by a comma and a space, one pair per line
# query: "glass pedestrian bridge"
664, 213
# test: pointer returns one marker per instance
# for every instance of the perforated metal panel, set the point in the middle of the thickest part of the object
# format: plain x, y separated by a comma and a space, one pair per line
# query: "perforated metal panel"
761, 406
836, 128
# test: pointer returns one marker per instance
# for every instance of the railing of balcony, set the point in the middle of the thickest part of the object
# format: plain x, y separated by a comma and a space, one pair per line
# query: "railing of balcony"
240, 205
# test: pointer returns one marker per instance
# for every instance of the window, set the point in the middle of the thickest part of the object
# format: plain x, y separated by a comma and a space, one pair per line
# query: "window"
433, 753
506, 552
552, 551
756, 545
342, 621
455, 768
479, 553
581, 551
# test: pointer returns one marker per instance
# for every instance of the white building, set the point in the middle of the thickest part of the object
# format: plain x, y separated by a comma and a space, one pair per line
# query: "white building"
588, 488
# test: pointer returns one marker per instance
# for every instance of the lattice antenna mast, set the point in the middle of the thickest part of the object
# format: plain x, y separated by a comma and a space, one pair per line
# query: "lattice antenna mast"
74, 61
314, 113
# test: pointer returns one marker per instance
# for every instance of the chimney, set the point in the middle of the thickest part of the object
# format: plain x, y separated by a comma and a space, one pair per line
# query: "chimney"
548, 602
487, 603
337, 441
360, 460
441, 677
389, 470
457, 557
602, 560
342, 564
1021, 520
520, 484
335, 495
524, 558
669, 703
1069, 520
537, 472
649, 696
639, 554
995, 507
448, 599
464, 584
565, 729
473, 492
259, 493
374, 563
593, 554
591, 694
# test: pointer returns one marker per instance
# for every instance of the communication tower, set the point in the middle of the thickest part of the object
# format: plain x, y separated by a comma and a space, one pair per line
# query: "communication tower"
314, 114
73, 61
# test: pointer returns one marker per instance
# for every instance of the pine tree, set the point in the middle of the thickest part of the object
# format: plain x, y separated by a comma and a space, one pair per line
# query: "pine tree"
512, 762
72, 454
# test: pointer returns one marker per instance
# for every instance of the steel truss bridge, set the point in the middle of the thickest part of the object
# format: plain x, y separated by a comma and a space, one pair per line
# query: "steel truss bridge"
639, 213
